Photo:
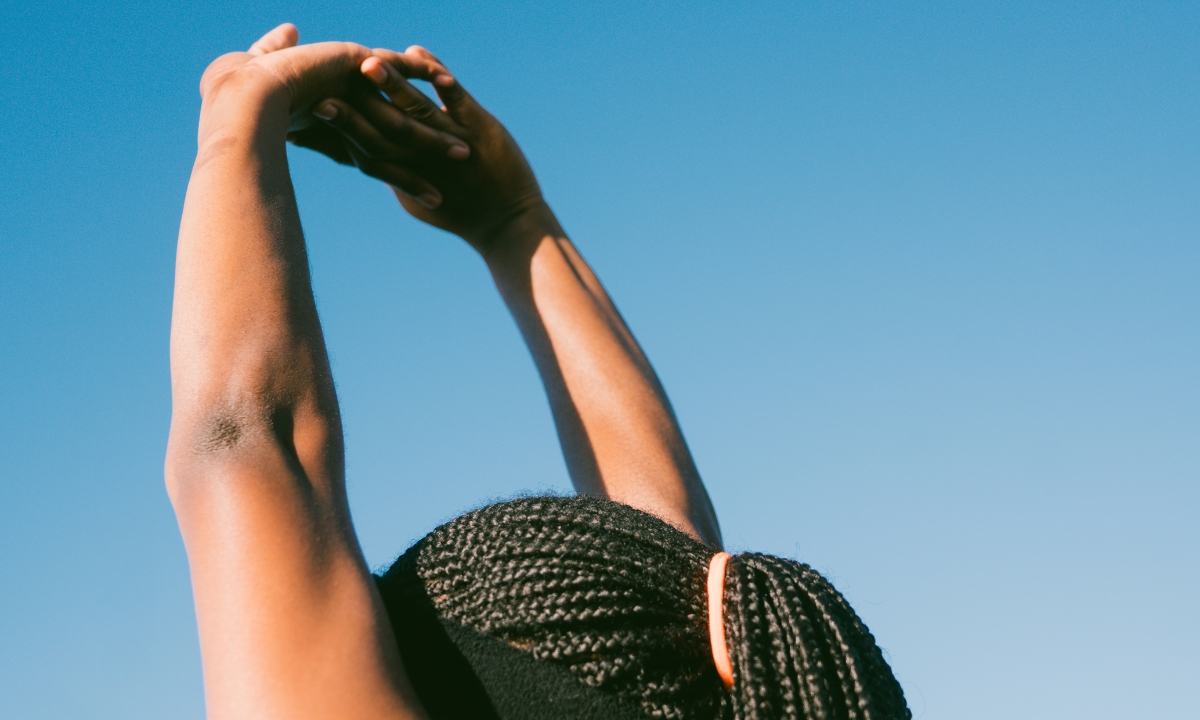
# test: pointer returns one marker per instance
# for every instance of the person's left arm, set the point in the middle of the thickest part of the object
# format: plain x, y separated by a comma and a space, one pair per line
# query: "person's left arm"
619, 435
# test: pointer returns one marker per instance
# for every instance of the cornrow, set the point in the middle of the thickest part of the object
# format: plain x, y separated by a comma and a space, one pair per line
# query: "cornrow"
618, 598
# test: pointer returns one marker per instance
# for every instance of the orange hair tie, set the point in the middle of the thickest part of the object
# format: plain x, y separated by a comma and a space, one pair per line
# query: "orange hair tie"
716, 618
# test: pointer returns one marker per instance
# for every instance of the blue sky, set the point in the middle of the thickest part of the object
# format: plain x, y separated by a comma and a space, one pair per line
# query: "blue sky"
921, 280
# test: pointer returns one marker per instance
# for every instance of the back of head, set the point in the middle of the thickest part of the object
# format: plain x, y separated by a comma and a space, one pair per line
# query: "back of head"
617, 599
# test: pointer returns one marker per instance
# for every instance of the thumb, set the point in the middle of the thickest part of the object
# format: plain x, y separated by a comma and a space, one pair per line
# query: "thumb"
284, 36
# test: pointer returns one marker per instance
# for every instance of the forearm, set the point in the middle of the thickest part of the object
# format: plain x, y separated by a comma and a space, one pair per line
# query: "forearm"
619, 435
245, 336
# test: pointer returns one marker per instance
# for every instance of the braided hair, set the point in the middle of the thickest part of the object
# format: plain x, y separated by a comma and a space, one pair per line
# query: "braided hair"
617, 597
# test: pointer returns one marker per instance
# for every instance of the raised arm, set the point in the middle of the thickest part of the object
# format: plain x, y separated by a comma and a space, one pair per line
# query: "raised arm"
290, 623
619, 435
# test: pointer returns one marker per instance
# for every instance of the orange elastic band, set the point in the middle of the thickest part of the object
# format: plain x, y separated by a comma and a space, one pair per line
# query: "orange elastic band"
716, 618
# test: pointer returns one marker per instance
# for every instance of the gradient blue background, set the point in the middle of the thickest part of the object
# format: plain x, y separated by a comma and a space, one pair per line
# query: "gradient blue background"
922, 280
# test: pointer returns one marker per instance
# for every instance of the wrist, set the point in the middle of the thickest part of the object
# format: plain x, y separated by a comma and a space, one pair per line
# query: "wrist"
250, 105
518, 234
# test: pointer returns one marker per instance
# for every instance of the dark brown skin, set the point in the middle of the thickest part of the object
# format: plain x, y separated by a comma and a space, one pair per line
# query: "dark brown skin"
472, 199
291, 625
619, 435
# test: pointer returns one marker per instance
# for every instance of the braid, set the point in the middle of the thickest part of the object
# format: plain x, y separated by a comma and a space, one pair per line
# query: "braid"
612, 593
799, 650
618, 597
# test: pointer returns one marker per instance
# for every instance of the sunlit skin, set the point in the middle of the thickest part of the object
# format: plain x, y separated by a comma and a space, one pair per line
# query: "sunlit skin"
618, 433
290, 622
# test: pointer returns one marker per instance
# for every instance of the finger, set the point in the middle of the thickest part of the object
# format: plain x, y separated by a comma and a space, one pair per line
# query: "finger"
360, 135
387, 134
418, 51
284, 36
323, 139
459, 103
418, 67
402, 180
411, 101
400, 129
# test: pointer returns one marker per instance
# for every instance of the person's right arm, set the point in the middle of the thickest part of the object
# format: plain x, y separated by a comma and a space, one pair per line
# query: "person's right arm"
290, 621
619, 435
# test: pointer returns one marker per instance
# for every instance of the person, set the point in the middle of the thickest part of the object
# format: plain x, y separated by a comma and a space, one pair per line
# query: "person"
614, 603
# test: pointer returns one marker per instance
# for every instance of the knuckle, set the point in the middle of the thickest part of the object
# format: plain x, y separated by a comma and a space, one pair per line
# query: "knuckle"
420, 110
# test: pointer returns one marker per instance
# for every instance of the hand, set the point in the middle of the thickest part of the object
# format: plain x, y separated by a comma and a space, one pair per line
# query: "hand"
275, 67
296, 76
475, 197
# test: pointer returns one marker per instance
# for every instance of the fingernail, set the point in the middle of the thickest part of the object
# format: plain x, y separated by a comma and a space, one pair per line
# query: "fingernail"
326, 111
429, 200
377, 73
458, 152
444, 80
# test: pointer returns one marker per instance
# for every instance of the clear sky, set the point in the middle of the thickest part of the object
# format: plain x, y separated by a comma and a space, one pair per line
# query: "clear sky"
922, 280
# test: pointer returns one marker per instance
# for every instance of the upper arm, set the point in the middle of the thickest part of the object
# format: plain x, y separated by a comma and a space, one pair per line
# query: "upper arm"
290, 622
